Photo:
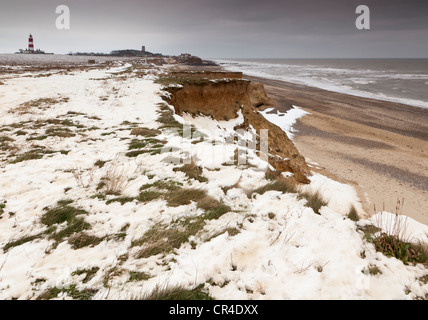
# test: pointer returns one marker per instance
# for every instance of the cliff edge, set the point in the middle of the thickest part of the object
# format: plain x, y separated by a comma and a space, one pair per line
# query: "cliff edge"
222, 95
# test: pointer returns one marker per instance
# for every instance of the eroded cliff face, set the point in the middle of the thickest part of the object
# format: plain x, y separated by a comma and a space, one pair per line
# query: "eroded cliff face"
206, 74
223, 98
220, 98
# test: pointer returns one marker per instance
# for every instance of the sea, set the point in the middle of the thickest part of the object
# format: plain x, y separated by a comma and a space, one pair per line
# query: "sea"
398, 80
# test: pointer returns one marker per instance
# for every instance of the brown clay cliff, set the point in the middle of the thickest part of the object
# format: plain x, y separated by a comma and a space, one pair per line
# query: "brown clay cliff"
222, 95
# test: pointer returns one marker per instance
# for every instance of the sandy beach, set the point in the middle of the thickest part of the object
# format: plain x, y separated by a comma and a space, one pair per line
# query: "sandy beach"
378, 147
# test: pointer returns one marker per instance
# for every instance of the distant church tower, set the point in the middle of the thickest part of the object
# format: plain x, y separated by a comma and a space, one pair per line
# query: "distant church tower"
30, 44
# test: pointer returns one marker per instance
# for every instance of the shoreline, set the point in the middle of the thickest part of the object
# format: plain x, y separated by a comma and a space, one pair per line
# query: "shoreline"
377, 146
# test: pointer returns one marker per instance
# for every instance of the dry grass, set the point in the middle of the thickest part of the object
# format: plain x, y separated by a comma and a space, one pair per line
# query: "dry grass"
147, 145
313, 200
162, 239
33, 105
82, 239
145, 132
84, 178
192, 171
394, 242
408, 252
64, 212
166, 118
353, 214
89, 273
59, 131
213, 208
115, 180
33, 154
184, 196
53, 218
177, 292
21, 241
5, 144
276, 185
391, 238
235, 185
71, 291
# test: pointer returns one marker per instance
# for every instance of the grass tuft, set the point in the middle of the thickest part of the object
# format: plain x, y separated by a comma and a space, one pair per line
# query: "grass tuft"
392, 242
138, 276
276, 185
63, 212
33, 154
20, 241
183, 196
145, 132
82, 239
393, 246
166, 118
89, 273
70, 290
192, 171
313, 200
353, 214
176, 293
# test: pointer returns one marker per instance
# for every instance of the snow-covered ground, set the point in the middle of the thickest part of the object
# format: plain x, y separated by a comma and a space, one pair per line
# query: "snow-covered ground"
66, 138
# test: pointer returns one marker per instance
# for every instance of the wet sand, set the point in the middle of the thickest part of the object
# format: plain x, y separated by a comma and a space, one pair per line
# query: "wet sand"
379, 147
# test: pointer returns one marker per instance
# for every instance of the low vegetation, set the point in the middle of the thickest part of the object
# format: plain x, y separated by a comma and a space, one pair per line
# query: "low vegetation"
69, 290
353, 214
74, 224
162, 239
33, 154
150, 146
176, 293
188, 79
275, 185
192, 171
408, 252
167, 120
33, 105
89, 273
313, 201
278, 183
393, 244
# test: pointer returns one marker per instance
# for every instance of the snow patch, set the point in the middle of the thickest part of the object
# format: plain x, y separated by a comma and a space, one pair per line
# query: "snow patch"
284, 120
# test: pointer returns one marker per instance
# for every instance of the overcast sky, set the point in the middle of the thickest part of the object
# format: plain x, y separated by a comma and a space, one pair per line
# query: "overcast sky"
221, 28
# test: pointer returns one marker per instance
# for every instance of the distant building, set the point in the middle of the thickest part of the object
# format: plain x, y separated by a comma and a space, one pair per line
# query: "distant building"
127, 53
132, 53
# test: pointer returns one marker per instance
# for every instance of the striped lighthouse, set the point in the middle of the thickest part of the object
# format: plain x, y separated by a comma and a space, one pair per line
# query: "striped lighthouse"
30, 44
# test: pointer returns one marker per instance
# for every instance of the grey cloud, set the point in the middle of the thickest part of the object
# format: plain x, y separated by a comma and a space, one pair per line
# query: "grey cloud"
222, 28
